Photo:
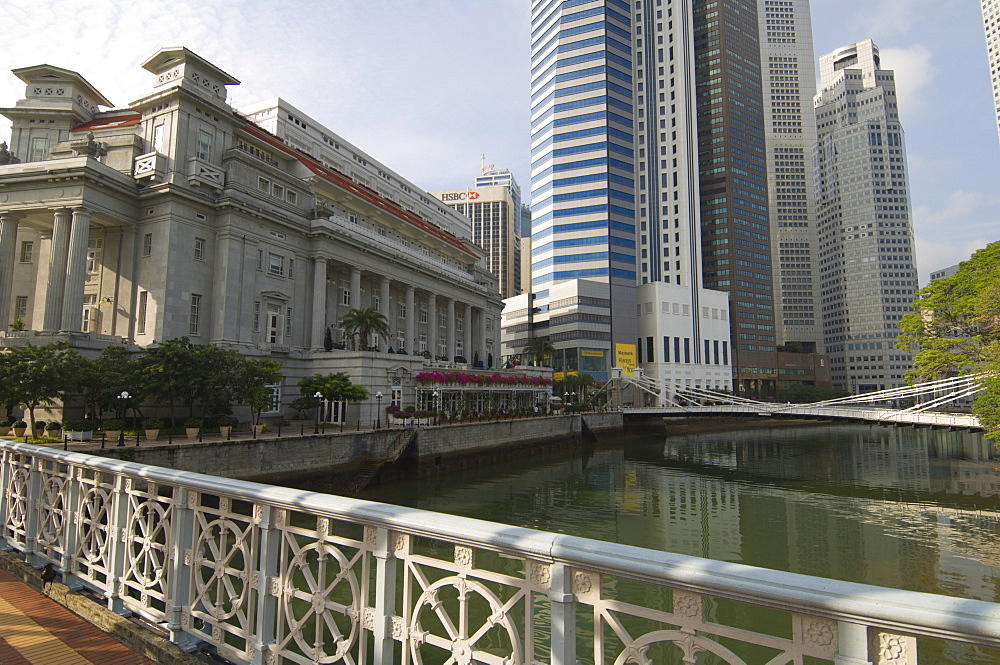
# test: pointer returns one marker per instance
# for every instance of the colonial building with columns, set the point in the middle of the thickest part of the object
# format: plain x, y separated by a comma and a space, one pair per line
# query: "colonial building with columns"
179, 216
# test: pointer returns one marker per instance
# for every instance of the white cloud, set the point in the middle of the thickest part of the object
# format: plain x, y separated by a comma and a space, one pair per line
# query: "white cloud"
960, 207
914, 74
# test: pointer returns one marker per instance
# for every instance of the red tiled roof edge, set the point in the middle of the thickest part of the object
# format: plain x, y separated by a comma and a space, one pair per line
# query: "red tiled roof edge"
358, 190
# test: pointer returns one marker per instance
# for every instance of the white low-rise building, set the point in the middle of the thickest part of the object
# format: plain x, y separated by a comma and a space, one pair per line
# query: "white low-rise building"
180, 216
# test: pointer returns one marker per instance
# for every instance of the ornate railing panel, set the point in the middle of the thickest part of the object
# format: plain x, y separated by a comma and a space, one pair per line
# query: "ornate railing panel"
273, 575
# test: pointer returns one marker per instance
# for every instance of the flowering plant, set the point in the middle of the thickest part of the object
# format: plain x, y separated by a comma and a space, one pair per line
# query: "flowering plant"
480, 379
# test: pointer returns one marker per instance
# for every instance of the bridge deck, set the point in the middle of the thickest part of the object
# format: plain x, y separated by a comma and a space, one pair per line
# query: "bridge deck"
886, 416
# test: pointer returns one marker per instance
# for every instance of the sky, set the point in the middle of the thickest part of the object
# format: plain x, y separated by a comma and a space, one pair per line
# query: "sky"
429, 86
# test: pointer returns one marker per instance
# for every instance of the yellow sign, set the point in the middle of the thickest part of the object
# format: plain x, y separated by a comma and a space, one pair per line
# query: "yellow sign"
590, 353
557, 376
625, 358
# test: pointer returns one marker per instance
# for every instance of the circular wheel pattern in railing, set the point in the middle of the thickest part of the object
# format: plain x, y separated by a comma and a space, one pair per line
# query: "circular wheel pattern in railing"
443, 625
147, 553
17, 507
94, 537
321, 603
222, 568
52, 511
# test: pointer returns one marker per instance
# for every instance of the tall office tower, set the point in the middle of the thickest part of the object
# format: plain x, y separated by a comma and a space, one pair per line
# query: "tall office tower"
789, 85
495, 211
991, 25
736, 233
582, 182
492, 177
867, 275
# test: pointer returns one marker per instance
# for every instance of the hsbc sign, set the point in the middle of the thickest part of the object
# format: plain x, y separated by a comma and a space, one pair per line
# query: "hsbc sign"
459, 196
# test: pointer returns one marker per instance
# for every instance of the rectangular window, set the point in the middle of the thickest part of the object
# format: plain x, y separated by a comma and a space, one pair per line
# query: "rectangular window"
140, 323
199, 249
278, 191
423, 314
21, 307
147, 244
274, 327
94, 255
376, 302
666, 349
346, 299
459, 323
276, 264
204, 149
288, 322
397, 396
39, 149
260, 259
275, 403
27, 249
402, 309
291, 197
423, 343
263, 184
88, 312
158, 138
195, 315
291, 268
687, 350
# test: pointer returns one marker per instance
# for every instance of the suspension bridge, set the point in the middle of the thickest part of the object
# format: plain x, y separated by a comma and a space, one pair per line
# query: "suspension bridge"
922, 405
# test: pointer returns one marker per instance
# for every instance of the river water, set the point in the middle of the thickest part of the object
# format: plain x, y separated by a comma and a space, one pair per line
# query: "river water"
897, 507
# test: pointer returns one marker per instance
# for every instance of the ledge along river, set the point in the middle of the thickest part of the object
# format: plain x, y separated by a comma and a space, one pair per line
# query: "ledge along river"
907, 508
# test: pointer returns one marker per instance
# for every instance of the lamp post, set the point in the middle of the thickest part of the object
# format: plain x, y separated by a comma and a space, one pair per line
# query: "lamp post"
122, 400
378, 413
566, 397
573, 397
318, 397
434, 401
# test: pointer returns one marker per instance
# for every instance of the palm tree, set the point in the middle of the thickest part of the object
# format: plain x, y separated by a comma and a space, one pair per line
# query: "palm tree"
540, 349
363, 323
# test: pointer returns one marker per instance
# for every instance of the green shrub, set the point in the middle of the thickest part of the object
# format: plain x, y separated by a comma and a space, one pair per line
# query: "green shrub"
19, 423
79, 426
39, 424
113, 424
152, 423
192, 423
53, 426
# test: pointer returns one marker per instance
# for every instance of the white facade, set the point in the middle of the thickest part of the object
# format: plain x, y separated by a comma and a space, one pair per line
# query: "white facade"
789, 85
180, 217
867, 271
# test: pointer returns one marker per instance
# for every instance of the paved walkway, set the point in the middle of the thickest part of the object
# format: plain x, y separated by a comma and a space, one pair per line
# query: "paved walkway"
35, 630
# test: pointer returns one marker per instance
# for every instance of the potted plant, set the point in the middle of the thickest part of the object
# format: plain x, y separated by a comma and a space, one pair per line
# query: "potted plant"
19, 427
192, 426
5, 426
113, 429
39, 428
226, 425
152, 427
79, 430
53, 429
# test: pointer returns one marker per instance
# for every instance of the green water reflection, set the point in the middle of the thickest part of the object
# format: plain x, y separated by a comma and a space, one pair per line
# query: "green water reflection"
911, 509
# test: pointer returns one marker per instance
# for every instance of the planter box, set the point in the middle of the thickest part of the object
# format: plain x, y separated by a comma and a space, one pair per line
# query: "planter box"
4, 430
19, 431
151, 434
54, 433
80, 436
224, 431
192, 433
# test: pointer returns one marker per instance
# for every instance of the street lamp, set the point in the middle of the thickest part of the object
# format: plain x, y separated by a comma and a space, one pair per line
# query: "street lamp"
378, 414
122, 400
434, 401
318, 396
566, 397
573, 397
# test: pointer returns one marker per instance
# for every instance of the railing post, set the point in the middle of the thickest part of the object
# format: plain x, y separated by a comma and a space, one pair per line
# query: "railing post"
267, 602
563, 615
71, 527
32, 504
6, 463
852, 644
385, 596
179, 585
117, 535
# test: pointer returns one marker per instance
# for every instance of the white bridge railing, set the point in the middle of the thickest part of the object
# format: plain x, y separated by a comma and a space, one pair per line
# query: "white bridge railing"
275, 575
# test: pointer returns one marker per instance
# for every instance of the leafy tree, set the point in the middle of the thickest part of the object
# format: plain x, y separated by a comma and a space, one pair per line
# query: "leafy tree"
540, 349
581, 384
333, 387
172, 374
362, 323
257, 374
106, 378
956, 330
37, 375
328, 339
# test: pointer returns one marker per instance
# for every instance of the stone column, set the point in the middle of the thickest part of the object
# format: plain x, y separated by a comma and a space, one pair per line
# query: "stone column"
76, 271
432, 324
355, 288
468, 351
318, 302
450, 327
57, 270
383, 300
8, 242
411, 321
